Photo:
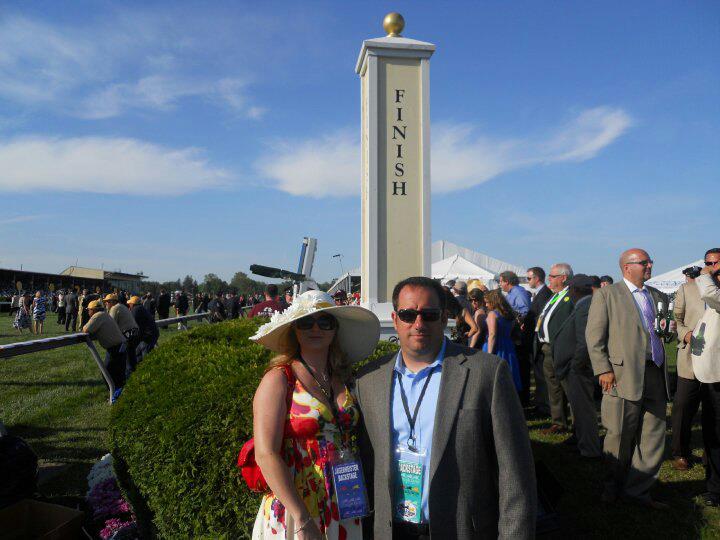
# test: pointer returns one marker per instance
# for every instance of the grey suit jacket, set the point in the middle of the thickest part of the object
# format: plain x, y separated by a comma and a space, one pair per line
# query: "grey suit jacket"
617, 340
689, 309
569, 348
482, 476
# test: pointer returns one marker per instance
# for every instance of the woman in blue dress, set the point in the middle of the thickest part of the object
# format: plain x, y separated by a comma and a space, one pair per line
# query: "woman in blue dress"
39, 309
500, 320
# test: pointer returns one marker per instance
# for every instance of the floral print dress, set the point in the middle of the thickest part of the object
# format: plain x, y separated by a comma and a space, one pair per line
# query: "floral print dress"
311, 434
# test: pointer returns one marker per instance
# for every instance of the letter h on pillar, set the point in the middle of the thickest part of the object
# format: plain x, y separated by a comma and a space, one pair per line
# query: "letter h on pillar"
395, 145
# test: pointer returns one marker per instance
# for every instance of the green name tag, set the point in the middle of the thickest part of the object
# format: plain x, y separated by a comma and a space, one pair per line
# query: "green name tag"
408, 491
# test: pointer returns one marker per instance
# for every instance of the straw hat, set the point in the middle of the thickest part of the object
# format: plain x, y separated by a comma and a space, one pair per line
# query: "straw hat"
358, 328
134, 300
110, 298
95, 304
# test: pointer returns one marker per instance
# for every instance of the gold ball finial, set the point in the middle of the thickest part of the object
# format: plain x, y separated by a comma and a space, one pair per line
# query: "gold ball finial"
393, 24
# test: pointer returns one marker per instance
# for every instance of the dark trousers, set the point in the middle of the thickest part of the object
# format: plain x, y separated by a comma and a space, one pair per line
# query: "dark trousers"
61, 315
711, 435
410, 531
163, 314
116, 364
556, 395
687, 400
542, 405
524, 354
70, 320
132, 361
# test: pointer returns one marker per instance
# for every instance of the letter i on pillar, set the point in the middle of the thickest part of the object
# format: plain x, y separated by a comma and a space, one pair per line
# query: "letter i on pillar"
395, 126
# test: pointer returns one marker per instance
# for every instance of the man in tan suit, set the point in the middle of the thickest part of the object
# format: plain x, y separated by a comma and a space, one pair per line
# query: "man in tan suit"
689, 308
629, 358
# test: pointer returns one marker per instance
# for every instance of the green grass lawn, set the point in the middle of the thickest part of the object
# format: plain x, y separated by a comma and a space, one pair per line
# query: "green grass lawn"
57, 401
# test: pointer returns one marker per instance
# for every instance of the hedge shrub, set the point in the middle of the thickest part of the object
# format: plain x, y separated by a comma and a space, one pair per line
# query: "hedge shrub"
179, 425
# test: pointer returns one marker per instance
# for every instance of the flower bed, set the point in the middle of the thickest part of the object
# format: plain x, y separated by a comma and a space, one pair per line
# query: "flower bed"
112, 517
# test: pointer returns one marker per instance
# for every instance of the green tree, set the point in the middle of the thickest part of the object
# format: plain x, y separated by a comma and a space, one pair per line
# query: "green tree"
213, 284
189, 284
243, 284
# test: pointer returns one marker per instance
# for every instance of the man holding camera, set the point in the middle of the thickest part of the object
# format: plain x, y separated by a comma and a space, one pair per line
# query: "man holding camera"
705, 352
688, 311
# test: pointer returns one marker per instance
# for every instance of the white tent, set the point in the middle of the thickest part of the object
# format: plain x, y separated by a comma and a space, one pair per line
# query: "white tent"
670, 282
457, 267
442, 249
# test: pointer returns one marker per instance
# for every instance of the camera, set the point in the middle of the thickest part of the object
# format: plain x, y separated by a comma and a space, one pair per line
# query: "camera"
692, 271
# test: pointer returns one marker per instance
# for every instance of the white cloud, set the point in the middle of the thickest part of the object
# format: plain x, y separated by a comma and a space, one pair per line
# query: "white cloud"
109, 67
330, 165
20, 219
103, 165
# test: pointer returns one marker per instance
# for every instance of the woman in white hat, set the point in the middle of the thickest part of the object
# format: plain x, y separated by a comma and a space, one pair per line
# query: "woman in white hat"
304, 418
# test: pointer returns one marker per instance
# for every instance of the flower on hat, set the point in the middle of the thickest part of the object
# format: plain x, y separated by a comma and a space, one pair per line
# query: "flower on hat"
304, 304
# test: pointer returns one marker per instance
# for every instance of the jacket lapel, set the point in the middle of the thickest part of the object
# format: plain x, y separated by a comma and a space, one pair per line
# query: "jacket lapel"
627, 297
452, 384
384, 410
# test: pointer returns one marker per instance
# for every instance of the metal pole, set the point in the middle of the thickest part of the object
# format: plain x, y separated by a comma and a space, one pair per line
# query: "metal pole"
101, 366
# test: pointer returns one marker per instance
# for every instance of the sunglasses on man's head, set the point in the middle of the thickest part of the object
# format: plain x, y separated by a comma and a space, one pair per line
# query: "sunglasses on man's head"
324, 322
410, 315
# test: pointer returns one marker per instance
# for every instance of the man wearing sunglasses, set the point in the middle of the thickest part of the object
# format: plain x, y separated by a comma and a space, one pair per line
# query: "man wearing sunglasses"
705, 352
629, 359
445, 445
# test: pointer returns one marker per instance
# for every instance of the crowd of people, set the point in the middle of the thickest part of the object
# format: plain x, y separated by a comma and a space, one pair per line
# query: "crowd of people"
439, 427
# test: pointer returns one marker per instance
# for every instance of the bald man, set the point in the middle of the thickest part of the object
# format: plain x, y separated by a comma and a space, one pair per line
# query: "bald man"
629, 359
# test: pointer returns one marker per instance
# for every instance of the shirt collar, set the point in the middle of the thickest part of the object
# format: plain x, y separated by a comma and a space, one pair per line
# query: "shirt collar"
632, 286
402, 370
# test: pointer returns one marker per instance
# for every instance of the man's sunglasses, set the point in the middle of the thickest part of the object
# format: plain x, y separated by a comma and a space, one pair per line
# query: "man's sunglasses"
427, 315
645, 263
710, 263
324, 322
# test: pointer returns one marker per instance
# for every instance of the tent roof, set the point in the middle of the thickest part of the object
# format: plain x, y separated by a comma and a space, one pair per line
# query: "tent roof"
669, 282
442, 249
457, 267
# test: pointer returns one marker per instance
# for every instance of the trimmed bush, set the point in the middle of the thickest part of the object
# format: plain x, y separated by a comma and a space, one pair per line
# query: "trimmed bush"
179, 425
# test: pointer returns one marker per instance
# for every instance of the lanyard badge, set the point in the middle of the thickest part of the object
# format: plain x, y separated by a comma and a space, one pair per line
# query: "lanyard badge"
349, 482
409, 478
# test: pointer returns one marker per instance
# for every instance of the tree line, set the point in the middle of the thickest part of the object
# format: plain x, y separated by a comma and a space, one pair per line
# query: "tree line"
212, 284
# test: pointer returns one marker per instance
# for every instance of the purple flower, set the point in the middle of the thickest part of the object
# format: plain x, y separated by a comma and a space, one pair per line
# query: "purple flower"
112, 526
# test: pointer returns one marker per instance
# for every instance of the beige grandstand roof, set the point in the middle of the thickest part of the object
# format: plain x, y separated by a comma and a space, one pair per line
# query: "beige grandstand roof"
96, 273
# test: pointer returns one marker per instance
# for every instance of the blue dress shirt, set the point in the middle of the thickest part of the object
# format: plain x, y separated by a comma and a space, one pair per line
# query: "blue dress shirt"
519, 300
413, 384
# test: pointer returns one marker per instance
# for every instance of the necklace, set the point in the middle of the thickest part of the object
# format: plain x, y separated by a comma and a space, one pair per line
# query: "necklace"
325, 377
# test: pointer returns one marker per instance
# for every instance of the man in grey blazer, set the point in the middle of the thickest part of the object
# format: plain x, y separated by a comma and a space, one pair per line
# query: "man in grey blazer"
629, 358
689, 308
454, 413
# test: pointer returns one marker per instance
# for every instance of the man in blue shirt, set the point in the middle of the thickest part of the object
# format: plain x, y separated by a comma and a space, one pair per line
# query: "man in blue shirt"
444, 442
517, 297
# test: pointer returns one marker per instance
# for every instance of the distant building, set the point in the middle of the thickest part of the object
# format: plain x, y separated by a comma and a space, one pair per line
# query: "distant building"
73, 277
115, 280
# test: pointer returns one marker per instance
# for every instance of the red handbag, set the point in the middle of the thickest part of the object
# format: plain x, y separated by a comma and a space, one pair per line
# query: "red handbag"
246, 459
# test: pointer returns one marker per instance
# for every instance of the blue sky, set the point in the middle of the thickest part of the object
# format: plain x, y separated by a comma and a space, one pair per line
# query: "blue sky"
186, 138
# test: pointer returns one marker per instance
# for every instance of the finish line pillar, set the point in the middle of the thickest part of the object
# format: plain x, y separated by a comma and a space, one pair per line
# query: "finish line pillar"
395, 174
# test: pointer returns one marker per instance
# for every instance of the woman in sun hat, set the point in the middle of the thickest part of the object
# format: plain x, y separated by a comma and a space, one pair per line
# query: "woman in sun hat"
304, 417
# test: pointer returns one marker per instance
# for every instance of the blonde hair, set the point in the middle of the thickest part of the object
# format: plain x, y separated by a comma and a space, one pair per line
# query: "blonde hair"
290, 351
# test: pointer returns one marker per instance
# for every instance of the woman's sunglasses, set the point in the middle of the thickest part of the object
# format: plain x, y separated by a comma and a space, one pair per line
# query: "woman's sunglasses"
410, 315
324, 322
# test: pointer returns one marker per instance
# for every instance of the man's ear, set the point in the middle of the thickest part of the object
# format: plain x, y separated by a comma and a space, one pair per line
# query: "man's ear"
393, 316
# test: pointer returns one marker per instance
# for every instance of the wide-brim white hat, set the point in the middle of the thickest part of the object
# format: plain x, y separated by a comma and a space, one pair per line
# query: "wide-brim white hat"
358, 328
